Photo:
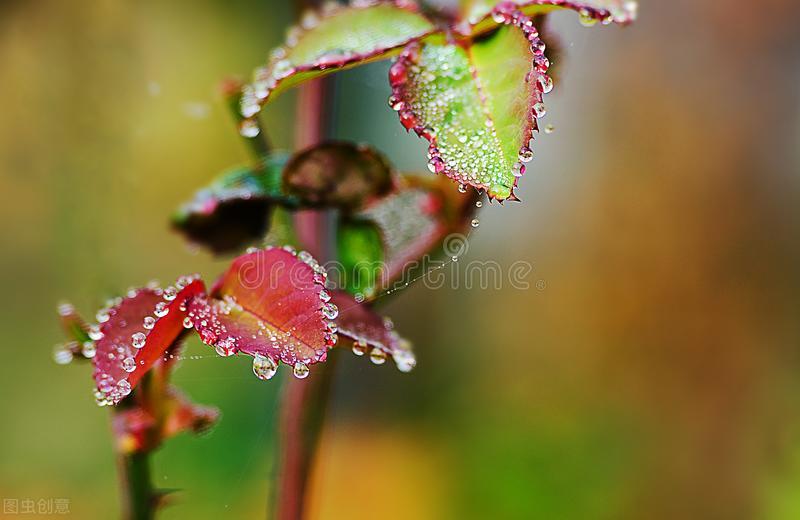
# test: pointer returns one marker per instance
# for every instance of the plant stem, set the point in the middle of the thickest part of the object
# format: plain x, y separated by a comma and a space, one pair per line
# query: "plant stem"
137, 493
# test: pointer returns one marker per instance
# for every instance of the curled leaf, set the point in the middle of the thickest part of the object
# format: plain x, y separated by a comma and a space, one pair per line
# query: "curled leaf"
475, 14
359, 323
476, 104
337, 174
335, 38
138, 332
411, 223
270, 304
235, 209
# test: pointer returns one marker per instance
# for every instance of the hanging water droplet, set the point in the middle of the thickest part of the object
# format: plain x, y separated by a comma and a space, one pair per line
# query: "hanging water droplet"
586, 19
249, 128
102, 316
405, 360
264, 367
359, 298
88, 349
226, 347
149, 322
549, 129
518, 169
462, 188
330, 311
138, 340
301, 370
479, 204
324, 296
539, 110
61, 355
129, 364
377, 356
475, 223
187, 322
359, 348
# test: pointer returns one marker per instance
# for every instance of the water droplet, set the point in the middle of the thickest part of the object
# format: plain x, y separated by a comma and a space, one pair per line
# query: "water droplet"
226, 347
264, 367
330, 311
301, 370
518, 169
359, 298
549, 129
170, 293
475, 223
324, 296
94, 333
462, 188
187, 322
161, 309
102, 316
88, 349
124, 387
525, 154
138, 340
149, 322
61, 355
586, 19
359, 348
405, 360
377, 356
249, 128
539, 110
129, 364
479, 204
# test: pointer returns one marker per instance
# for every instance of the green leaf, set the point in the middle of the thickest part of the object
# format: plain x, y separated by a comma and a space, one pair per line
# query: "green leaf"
477, 104
360, 251
233, 211
337, 174
336, 38
476, 19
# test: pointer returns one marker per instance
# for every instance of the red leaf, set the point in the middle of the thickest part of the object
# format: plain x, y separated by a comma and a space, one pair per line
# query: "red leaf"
361, 324
136, 333
271, 304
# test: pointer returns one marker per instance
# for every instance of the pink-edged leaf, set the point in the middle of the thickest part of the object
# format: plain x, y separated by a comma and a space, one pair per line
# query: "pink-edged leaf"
359, 323
335, 38
477, 104
140, 429
270, 304
339, 174
476, 14
138, 332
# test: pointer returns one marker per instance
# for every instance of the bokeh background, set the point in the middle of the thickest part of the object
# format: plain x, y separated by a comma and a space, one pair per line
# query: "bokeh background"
651, 371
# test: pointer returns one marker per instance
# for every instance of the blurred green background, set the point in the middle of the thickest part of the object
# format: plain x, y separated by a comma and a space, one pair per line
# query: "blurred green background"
651, 371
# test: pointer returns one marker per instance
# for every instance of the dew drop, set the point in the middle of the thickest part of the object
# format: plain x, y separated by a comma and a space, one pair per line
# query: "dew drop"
377, 356
264, 367
359, 348
61, 355
170, 293
518, 169
88, 349
249, 128
138, 340
405, 361
226, 347
149, 322
475, 223
549, 129
124, 387
462, 188
330, 311
324, 296
187, 322
479, 204
129, 364
301, 370
161, 309
539, 110
94, 333
102, 316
